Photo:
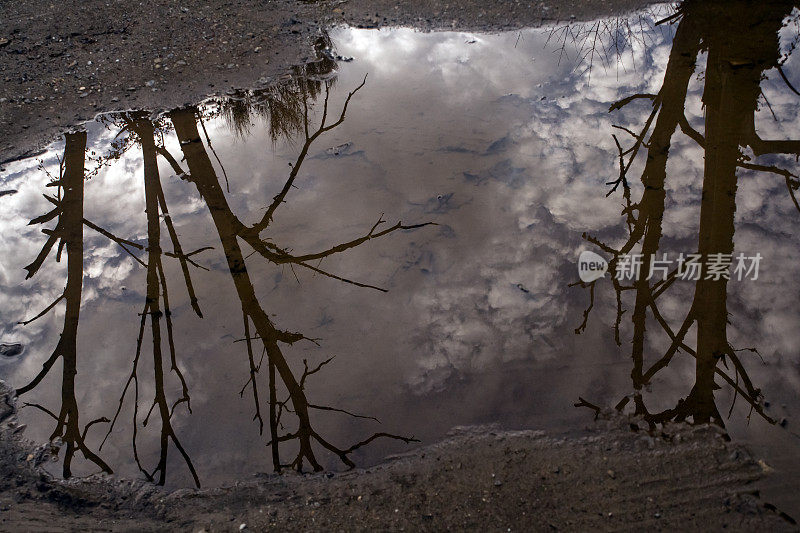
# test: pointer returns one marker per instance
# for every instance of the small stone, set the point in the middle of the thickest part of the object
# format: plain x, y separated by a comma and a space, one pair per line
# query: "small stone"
764, 466
150, 83
180, 63
611, 474
242, 527
257, 49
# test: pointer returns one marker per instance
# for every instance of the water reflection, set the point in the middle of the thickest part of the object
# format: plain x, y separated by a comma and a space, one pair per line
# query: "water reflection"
740, 46
286, 108
230, 229
261, 212
68, 233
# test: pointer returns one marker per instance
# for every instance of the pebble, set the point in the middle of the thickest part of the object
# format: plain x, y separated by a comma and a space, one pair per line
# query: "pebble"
764, 466
150, 83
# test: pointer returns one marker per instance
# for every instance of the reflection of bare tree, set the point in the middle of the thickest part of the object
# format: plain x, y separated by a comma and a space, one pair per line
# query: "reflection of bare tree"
288, 108
155, 205
741, 45
231, 231
68, 233
607, 41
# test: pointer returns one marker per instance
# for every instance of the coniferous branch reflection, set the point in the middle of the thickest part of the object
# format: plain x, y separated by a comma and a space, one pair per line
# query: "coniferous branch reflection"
231, 230
740, 46
280, 105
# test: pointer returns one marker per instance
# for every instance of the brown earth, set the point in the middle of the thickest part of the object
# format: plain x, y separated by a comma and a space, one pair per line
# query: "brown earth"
478, 479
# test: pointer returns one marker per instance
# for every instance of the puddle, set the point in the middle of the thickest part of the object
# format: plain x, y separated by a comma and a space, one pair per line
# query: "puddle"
414, 260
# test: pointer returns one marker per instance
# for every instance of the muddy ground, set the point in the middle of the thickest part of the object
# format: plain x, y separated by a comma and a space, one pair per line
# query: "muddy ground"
62, 62
478, 479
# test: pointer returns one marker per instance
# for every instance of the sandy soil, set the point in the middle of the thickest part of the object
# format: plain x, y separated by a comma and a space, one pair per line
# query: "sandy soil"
478, 479
63, 62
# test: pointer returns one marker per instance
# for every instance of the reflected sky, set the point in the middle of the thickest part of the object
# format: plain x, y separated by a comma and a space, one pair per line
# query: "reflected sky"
505, 143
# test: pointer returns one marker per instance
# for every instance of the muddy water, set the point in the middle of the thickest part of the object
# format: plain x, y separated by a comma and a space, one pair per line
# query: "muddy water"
413, 261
